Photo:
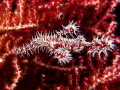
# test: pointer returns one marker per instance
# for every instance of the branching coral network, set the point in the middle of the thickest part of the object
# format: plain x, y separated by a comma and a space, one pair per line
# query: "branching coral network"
63, 43
59, 45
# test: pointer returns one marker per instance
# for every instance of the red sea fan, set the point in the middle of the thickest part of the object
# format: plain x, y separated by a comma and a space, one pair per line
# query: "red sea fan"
83, 54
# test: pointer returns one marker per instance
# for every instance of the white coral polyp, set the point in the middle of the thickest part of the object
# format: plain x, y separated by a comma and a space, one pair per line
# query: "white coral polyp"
62, 55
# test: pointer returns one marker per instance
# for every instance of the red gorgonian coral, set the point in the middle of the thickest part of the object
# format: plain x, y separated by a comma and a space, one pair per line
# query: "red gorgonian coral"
76, 45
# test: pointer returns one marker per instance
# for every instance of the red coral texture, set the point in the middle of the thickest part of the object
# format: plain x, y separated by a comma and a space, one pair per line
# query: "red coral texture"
94, 67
